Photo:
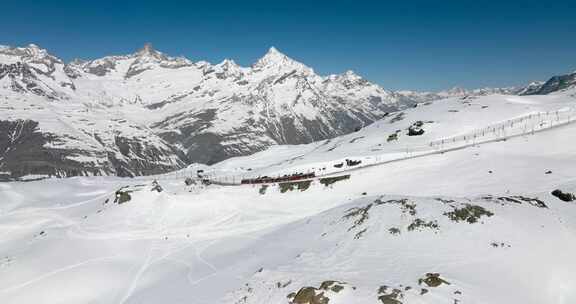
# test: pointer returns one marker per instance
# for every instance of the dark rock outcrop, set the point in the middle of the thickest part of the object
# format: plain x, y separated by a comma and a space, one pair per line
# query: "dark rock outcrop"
554, 84
563, 196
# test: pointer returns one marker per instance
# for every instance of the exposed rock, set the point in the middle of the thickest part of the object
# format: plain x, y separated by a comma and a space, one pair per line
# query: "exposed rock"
122, 195
289, 186
564, 196
334, 286
327, 181
27, 150
309, 295
262, 189
432, 280
388, 295
189, 181
419, 224
156, 187
283, 285
351, 162
469, 213
554, 84
517, 199
397, 117
359, 213
416, 129
360, 233
320, 295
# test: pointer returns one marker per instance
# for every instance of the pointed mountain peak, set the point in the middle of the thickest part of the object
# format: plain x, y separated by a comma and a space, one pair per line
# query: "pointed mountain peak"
273, 56
274, 59
228, 62
32, 49
228, 68
33, 46
147, 47
228, 65
149, 51
148, 58
351, 75
273, 51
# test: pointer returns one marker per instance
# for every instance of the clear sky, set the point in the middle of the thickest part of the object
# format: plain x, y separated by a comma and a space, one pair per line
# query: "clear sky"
425, 45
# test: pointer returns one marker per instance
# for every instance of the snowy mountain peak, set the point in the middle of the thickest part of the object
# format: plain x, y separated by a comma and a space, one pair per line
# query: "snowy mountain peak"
148, 51
274, 51
148, 58
276, 60
30, 53
350, 79
351, 75
228, 63
33, 46
147, 47
226, 68
273, 56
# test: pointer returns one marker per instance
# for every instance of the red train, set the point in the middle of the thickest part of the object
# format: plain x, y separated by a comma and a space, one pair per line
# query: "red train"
280, 179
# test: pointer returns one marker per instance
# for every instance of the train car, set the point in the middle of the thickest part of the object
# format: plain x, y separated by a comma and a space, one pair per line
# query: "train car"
280, 179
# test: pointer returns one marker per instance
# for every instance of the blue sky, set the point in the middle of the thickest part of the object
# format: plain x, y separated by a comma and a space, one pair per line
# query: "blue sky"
425, 45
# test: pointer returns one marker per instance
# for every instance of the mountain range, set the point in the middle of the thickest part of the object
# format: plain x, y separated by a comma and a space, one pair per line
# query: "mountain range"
148, 113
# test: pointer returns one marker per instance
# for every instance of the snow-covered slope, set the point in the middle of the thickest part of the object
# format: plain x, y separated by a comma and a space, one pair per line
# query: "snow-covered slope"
456, 92
475, 225
560, 84
391, 138
47, 128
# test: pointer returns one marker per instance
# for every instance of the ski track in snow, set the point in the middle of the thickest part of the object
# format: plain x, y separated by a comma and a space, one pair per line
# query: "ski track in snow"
57, 271
190, 229
147, 262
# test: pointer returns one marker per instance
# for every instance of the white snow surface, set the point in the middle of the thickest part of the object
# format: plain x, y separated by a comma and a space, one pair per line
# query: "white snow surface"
67, 241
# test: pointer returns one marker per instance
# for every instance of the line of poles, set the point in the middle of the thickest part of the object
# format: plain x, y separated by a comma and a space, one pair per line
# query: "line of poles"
539, 121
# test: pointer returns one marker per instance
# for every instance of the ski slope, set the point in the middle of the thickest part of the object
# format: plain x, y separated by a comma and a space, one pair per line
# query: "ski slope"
378, 237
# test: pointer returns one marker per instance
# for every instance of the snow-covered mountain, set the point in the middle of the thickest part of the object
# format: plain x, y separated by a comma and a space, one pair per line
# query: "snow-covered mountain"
557, 83
148, 112
48, 127
456, 92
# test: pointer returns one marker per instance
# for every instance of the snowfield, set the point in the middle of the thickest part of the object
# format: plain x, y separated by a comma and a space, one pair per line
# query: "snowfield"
472, 225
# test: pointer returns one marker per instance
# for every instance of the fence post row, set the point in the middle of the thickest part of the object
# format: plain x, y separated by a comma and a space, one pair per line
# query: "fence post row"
531, 123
